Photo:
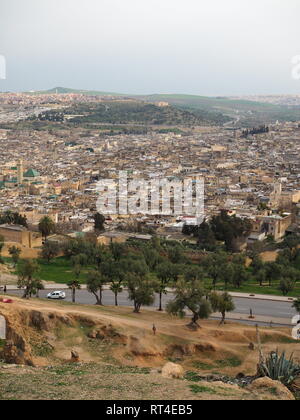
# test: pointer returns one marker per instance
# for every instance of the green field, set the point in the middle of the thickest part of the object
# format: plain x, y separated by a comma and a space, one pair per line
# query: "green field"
58, 270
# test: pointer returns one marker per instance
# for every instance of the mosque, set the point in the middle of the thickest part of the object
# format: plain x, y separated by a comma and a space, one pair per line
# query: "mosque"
16, 177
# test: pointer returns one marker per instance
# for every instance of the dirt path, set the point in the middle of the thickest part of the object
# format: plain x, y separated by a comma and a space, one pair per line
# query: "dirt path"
226, 336
121, 316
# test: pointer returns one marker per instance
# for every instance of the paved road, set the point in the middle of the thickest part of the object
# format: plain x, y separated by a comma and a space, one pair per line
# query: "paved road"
243, 305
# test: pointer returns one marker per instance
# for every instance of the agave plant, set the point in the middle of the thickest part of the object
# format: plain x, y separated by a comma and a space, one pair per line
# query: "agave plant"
278, 368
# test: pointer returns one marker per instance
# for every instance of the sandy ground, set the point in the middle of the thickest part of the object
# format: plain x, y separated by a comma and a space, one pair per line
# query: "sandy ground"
6, 277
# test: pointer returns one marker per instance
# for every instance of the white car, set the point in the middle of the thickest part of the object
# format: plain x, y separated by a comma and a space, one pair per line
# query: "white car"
56, 295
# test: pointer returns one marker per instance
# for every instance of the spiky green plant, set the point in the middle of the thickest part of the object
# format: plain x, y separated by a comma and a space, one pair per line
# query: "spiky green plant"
278, 368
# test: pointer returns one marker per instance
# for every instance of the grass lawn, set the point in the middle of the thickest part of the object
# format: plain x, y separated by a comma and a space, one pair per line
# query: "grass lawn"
253, 288
60, 270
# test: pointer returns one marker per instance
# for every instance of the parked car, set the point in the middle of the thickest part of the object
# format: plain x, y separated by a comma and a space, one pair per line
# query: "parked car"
6, 300
56, 295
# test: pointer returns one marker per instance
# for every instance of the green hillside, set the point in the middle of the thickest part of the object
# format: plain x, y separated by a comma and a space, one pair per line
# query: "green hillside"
139, 112
195, 101
243, 113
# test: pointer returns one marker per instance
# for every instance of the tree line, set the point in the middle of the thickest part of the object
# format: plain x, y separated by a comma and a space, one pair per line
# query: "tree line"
231, 230
151, 269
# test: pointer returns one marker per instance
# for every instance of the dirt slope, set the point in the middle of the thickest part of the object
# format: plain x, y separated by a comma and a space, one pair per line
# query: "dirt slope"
41, 333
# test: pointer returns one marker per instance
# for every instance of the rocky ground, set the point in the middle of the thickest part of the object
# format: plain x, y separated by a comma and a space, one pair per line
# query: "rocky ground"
110, 382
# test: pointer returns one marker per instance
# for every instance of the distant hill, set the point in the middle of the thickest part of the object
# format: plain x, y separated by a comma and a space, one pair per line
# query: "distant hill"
63, 90
192, 101
195, 101
141, 112
245, 113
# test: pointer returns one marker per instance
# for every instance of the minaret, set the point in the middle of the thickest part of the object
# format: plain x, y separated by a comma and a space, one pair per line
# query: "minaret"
20, 172
278, 188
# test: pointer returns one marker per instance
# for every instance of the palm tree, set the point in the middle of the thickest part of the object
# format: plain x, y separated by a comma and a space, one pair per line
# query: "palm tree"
116, 288
75, 283
46, 227
115, 273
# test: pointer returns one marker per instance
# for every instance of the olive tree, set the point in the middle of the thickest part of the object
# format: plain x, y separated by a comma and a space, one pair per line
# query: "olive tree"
28, 278
95, 283
222, 303
140, 287
15, 253
190, 296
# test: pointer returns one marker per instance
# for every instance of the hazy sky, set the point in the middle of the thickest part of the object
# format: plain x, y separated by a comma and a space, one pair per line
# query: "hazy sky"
206, 47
